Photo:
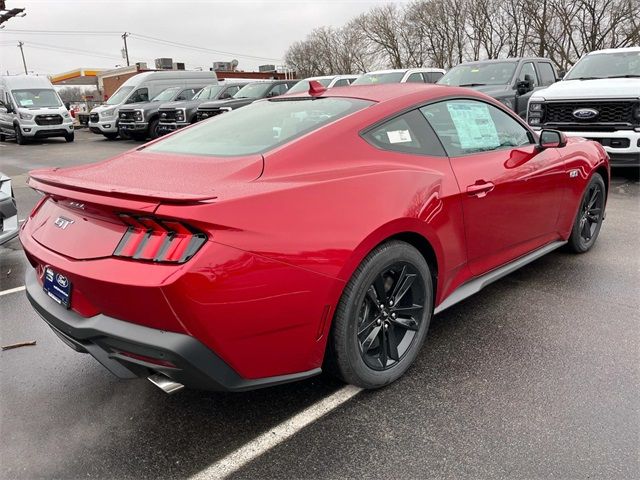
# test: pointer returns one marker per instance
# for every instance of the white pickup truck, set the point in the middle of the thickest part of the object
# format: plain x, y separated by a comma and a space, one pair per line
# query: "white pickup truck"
598, 99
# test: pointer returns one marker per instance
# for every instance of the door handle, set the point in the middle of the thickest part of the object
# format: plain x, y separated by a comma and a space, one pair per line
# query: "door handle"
480, 188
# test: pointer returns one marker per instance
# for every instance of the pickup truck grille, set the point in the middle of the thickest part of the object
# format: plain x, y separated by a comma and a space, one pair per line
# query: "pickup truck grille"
608, 112
204, 114
168, 116
94, 118
127, 116
48, 119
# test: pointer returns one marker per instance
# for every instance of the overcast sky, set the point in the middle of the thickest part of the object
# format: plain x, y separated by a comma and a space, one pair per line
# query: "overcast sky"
245, 29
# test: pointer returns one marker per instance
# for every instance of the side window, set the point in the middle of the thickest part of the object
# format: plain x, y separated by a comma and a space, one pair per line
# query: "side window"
343, 82
230, 91
415, 78
278, 90
470, 126
528, 72
2, 98
547, 75
187, 94
140, 95
408, 133
433, 77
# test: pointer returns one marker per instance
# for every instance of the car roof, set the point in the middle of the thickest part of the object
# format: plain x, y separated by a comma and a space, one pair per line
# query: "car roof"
504, 60
401, 92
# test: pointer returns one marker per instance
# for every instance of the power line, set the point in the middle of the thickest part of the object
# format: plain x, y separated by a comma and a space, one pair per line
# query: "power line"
147, 38
70, 50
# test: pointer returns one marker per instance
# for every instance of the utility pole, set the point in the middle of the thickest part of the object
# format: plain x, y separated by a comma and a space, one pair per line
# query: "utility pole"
20, 44
126, 51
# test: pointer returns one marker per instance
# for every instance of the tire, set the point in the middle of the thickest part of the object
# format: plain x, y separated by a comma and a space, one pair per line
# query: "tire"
111, 135
69, 137
372, 346
20, 139
588, 222
2, 137
153, 129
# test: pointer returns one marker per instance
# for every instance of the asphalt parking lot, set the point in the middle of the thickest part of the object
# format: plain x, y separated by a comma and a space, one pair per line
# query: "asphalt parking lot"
538, 376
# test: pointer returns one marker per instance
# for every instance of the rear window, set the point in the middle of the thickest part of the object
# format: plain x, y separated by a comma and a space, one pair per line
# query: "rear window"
258, 127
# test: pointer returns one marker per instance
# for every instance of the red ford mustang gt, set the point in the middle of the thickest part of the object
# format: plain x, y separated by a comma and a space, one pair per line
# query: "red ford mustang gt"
300, 232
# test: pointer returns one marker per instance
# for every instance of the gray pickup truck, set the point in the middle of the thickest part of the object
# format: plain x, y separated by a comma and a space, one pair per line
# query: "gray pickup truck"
511, 81
182, 113
246, 95
141, 120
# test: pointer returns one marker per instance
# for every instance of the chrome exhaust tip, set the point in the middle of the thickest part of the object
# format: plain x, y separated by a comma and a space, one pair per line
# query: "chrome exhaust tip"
165, 383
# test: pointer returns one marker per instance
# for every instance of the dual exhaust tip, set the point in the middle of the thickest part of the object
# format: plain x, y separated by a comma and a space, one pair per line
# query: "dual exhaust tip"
165, 384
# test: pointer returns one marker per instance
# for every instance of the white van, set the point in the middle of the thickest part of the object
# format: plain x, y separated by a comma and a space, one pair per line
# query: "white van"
140, 88
31, 108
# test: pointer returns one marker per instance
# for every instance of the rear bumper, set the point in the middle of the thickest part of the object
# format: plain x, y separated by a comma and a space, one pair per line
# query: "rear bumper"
181, 357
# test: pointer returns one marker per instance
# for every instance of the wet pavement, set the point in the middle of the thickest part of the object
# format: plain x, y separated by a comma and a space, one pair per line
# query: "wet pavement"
537, 376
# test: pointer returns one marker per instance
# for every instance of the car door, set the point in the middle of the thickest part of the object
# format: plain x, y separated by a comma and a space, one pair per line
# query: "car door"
510, 190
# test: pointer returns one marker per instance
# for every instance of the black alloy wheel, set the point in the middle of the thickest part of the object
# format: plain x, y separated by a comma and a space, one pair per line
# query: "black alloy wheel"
382, 318
390, 315
590, 216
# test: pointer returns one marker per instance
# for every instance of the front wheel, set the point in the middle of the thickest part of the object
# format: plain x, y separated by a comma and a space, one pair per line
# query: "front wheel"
111, 135
153, 129
69, 137
590, 215
20, 139
383, 316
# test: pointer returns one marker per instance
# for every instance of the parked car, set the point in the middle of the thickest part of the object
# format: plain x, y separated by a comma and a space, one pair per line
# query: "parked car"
245, 96
598, 99
328, 81
176, 115
103, 119
8, 211
141, 120
31, 108
243, 258
405, 75
511, 81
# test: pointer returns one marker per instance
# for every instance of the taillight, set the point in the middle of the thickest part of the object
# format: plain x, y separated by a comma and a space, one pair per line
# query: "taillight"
158, 240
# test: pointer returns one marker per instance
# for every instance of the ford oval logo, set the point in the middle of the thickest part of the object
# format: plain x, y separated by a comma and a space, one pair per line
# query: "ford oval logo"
585, 113
62, 280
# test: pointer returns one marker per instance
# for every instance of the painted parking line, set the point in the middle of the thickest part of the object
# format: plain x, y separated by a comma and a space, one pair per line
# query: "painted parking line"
12, 290
273, 437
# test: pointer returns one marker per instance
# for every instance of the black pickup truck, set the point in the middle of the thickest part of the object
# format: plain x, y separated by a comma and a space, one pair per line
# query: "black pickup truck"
511, 81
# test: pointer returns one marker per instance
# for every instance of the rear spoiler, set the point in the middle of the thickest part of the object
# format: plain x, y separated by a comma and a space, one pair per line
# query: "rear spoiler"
103, 195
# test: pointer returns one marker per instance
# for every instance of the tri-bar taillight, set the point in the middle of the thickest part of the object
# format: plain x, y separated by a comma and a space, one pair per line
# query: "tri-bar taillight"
158, 240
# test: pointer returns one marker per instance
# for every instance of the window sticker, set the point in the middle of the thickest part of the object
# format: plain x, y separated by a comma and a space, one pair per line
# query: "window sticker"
26, 102
399, 136
474, 125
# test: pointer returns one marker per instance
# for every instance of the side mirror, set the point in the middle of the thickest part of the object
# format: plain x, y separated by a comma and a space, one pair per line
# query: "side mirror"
9, 108
551, 139
523, 86
272, 93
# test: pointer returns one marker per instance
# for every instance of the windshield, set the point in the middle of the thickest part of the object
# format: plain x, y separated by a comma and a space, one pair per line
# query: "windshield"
253, 90
478, 74
606, 65
303, 85
166, 94
36, 98
119, 96
376, 78
258, 127
208, 93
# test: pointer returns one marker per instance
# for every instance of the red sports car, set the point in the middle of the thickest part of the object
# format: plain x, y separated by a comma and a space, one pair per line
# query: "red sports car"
302, 232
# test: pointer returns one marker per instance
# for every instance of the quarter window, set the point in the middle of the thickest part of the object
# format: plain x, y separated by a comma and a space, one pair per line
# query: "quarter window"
433, 77
408, 133
469, 126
